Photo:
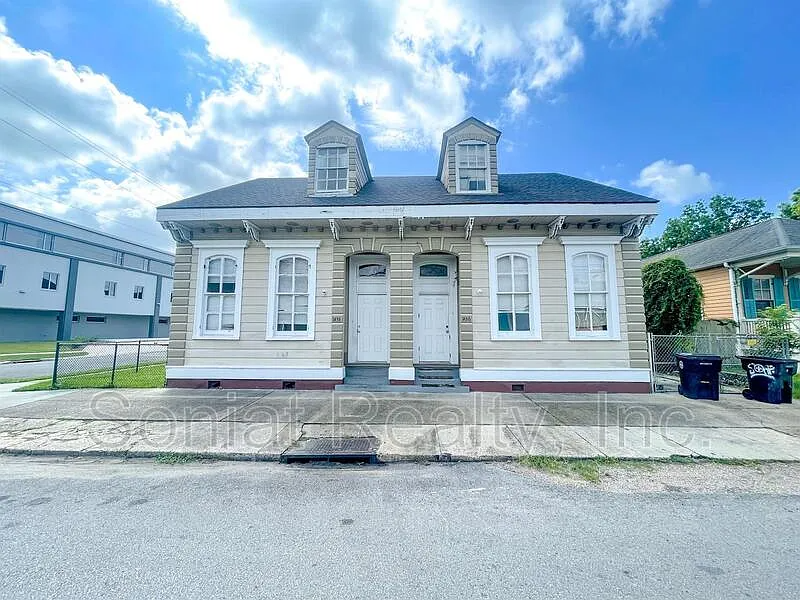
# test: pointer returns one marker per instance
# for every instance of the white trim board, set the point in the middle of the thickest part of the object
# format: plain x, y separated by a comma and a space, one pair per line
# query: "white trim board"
402, 373
282, 373
560, 375
394, 211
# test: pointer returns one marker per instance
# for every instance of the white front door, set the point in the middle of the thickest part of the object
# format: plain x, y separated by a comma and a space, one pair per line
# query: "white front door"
372, 328
368, 323
435, 309
434, 328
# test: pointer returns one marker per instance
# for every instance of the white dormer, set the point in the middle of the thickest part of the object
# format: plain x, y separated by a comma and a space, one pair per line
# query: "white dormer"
337, 161
468, 158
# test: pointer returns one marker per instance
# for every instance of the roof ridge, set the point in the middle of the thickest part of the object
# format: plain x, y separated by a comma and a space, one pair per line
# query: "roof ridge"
715, 237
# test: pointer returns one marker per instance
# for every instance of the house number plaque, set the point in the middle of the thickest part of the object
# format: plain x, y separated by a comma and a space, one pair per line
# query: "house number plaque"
466, 318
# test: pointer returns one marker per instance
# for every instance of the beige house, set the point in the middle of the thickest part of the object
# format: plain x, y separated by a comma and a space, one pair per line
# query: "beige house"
469, 278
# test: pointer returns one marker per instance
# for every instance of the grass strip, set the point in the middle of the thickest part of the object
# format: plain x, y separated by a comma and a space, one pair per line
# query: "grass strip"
148, 376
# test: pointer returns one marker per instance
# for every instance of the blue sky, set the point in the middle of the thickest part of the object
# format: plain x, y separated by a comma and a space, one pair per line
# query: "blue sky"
675, 99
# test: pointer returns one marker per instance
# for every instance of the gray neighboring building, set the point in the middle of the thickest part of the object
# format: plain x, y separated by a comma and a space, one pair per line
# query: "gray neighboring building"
60, 281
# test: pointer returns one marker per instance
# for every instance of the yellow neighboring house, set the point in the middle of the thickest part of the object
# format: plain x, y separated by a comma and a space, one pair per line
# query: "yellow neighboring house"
745, 271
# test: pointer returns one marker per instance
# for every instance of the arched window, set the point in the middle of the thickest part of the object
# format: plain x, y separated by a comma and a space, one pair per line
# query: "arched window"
590, 291
219, 294
433, 270
513, 293
292, 294
514, 288
372, 271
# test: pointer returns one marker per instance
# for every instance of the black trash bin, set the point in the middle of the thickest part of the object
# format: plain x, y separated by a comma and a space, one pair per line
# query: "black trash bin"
699, 375
769, 379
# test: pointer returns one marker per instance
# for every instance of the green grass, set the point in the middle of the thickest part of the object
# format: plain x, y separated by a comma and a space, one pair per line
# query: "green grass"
173, 458
149, 376
591, 469
22, 379
26, 347
45, 356
796, 386
19, 351
582, 468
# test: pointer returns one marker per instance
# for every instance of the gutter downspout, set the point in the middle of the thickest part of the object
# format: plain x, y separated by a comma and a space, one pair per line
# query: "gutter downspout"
734, 295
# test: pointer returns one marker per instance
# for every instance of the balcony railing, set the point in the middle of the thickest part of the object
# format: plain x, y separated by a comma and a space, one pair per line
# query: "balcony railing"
750, 326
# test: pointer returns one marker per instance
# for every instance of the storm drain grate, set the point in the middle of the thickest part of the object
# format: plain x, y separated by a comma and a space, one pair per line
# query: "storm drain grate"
333, 449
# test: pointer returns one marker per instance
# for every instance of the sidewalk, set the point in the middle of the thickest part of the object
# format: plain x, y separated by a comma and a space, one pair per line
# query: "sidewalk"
261, 424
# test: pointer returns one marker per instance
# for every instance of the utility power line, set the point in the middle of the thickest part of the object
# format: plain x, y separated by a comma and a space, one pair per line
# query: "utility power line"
68, 157
19, 188
86, 140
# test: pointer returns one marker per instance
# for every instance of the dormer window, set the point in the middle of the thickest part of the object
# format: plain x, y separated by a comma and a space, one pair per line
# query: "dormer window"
332, 166
472, 167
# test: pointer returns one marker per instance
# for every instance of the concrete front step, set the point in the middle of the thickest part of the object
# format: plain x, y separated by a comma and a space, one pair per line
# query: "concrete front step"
431, 378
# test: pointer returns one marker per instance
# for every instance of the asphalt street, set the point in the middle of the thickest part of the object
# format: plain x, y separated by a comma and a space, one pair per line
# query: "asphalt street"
136, 529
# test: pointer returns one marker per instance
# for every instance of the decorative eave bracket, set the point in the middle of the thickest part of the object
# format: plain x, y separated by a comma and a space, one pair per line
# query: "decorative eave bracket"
400, 227
252, 230
468, 228
334, 228
180, 233
555, 227
635, 227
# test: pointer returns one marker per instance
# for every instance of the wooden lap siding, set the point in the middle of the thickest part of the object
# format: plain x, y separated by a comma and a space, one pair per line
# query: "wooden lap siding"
634, 305
401, 254
476, 349
716, 293
555, 350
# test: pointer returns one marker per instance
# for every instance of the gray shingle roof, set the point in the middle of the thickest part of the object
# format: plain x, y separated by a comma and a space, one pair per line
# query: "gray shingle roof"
522, 188
762, 239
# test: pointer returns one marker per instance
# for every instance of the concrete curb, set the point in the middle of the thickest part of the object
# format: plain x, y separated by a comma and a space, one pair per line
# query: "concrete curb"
382, 458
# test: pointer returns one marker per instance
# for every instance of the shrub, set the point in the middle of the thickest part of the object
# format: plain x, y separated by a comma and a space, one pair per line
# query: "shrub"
776, 335
672, 297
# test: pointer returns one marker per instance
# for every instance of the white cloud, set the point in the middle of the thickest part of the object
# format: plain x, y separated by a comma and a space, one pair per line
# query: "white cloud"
274, 71
630, 18
516, 102
396, 60
673, 183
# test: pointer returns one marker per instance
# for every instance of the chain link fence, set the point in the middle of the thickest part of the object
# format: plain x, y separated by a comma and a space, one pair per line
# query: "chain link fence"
133, 364
733, 379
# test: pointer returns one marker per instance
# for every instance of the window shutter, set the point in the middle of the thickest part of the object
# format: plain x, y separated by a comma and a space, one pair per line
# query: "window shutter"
777, 288
748, 298
794, 293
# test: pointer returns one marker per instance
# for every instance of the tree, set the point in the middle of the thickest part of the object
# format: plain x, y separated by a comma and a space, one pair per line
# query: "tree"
791, 209
700, 221
672, 297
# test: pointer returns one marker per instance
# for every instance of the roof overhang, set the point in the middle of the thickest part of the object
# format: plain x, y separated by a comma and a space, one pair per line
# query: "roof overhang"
184, 215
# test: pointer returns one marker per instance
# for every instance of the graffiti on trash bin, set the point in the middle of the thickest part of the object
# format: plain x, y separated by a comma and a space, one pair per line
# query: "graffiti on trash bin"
759, 370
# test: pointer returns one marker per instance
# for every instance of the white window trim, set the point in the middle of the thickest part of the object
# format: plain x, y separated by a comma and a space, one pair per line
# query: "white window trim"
607, 247
771, 287
135, 287
529, 248
279, 249
319, 192
48, 288
111, 286
488, 189
3, 272
205, 250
